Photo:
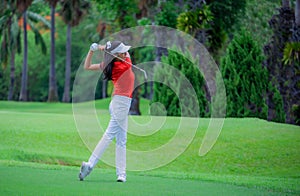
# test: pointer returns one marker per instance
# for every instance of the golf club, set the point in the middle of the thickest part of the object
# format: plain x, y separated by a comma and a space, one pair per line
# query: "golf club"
145, 74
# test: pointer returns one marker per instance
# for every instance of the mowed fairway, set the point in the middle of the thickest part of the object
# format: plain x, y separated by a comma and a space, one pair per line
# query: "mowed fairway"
63, 181
41, 152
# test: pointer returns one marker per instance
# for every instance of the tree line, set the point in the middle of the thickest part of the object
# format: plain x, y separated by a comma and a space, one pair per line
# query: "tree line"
11, 12
255, 44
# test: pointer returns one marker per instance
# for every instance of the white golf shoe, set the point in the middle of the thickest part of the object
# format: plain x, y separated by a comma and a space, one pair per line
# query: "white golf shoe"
84, 170
121, 178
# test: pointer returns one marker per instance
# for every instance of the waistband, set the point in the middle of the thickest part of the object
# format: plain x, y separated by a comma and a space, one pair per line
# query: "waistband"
121, 98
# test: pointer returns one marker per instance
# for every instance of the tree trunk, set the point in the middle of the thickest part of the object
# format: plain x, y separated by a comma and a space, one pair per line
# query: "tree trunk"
104, 88
285, 3
12, 76
135, 103
52, 95
23, 93
297, 13
66, 97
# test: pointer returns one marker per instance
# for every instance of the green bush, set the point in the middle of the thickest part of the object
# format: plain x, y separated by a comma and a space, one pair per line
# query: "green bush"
245, 78
277, 104
174, 93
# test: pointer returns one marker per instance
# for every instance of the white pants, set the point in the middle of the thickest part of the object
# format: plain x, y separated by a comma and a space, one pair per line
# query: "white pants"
118, 124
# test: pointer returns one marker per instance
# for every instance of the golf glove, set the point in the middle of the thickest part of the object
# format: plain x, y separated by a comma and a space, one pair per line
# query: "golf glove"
94, 47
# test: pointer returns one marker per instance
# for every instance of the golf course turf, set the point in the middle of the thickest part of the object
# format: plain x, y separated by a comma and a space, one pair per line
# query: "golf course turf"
63, 181
41, 152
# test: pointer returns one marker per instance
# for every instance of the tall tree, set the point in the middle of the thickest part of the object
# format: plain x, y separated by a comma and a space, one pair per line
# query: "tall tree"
245, 78
226, 13
72, 12
10, 39
172, 94
52, 94
291, 61
280, 75
22, 7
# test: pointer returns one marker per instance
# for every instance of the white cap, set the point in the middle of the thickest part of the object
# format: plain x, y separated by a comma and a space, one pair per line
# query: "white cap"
121, 48
113, 48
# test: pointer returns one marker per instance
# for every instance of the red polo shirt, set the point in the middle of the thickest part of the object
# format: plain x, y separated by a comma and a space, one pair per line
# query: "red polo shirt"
123, 78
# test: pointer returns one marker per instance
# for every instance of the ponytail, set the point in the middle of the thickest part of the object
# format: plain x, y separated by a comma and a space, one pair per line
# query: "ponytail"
108, 71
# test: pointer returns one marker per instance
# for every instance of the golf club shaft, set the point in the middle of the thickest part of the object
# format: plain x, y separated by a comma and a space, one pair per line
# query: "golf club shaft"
145, 74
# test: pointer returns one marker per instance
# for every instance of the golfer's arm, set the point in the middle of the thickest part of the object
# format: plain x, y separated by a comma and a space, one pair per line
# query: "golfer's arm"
87, 63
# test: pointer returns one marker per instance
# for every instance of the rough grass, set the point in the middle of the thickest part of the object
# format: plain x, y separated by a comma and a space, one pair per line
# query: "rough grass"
249, 152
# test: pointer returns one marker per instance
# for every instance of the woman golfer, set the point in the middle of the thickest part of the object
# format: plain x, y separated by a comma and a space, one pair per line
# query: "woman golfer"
116, 67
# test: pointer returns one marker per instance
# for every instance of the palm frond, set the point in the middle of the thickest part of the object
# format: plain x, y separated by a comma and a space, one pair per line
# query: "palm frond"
38, 18
291, 53
14, 29
14, 34
38, 38
72, 12
4, 51
3, 21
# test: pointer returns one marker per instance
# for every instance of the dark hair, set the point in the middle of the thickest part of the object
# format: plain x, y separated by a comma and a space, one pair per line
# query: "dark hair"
107, 71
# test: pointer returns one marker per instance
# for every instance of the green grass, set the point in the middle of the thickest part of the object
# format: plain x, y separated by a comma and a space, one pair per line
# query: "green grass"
36, 180
251, 156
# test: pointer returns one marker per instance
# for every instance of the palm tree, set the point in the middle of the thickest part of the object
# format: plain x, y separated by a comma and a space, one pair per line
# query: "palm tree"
22, 7
10, 42
52, 94
72, 12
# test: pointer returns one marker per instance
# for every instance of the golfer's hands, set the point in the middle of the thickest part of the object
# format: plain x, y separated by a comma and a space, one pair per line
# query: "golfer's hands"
101, 47
96, 46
